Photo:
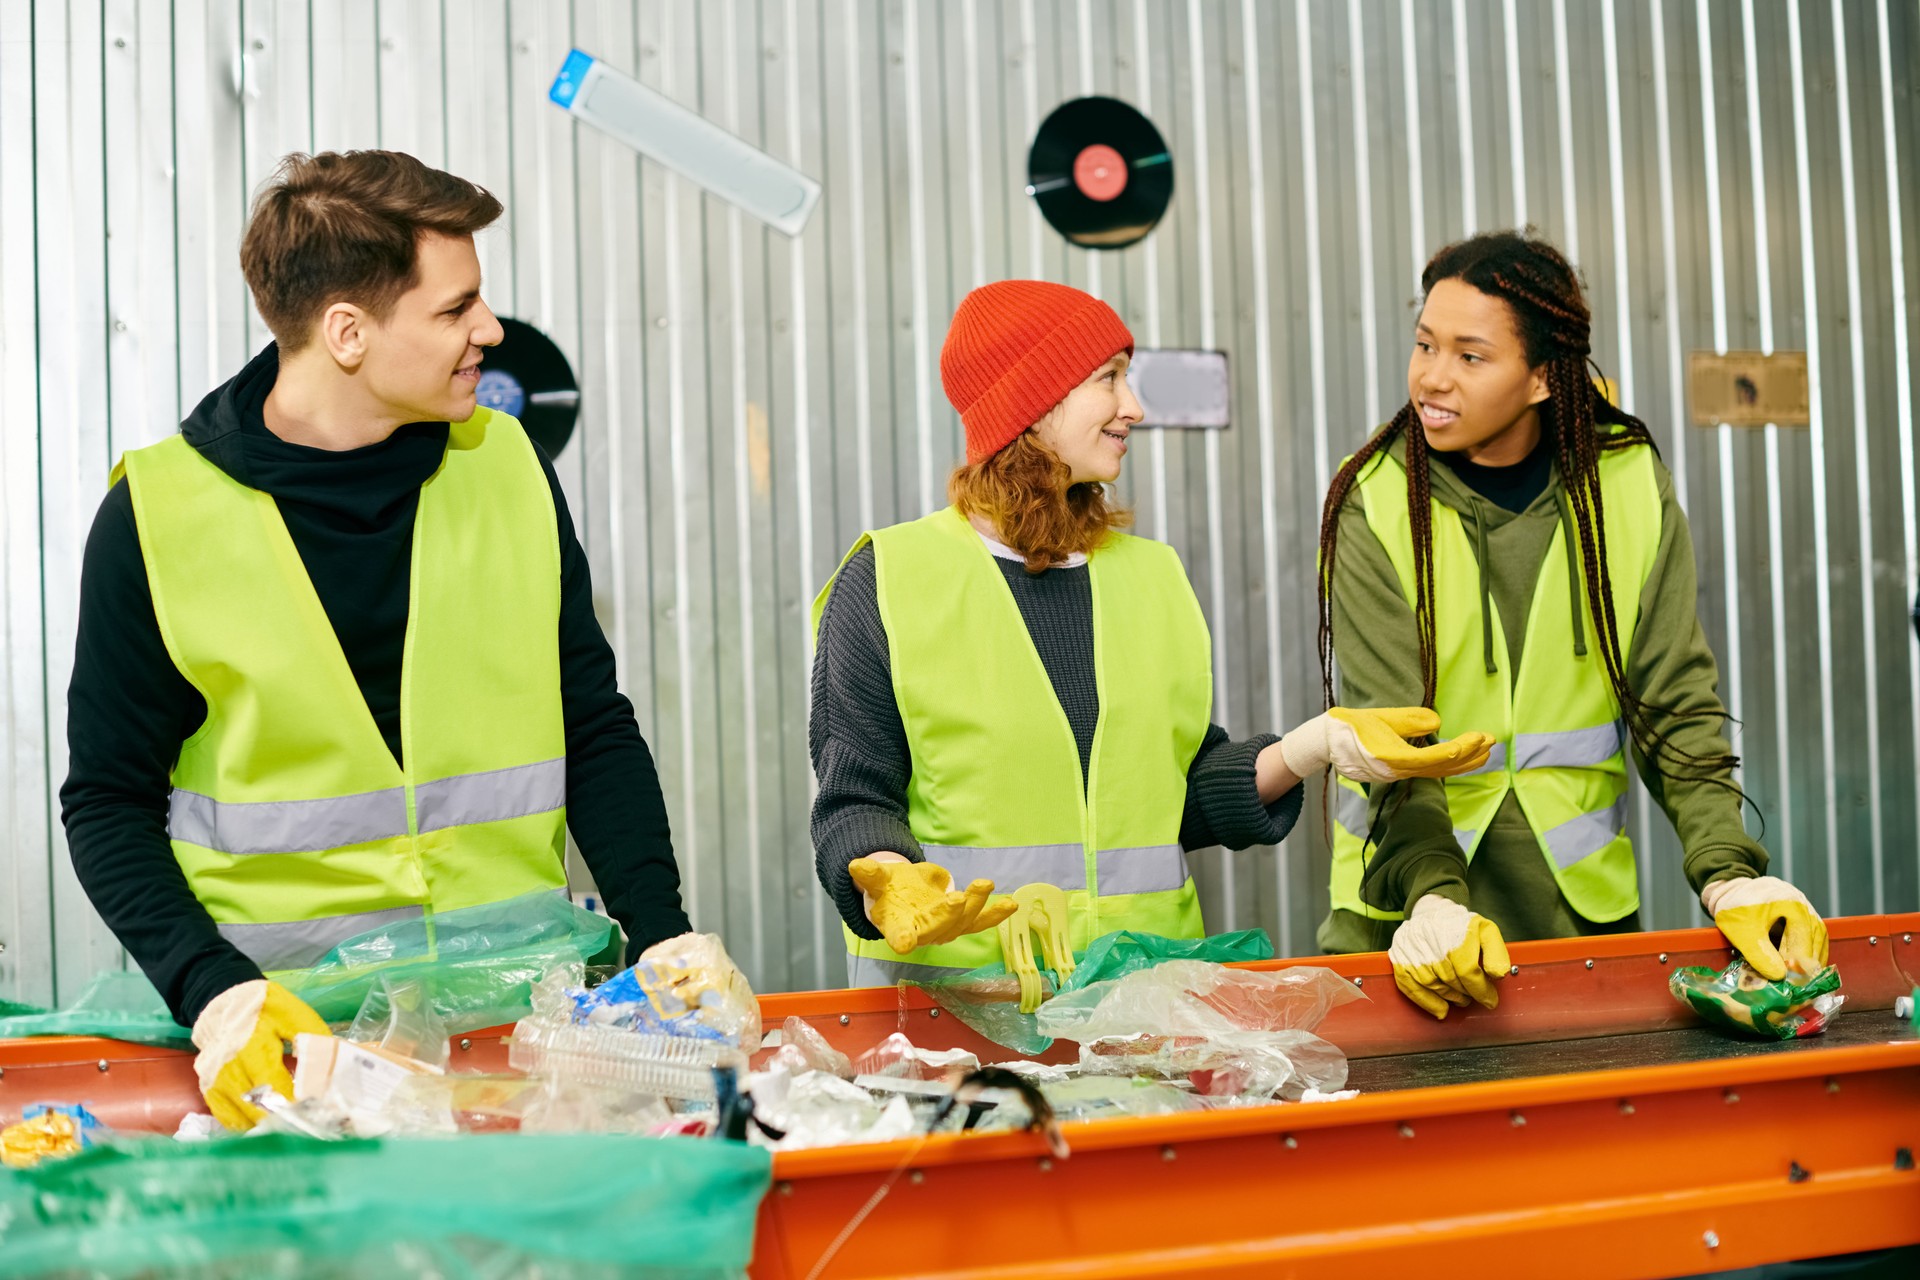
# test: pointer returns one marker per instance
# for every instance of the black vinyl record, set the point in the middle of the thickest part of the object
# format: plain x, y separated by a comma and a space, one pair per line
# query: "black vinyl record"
527, 376
1100, 173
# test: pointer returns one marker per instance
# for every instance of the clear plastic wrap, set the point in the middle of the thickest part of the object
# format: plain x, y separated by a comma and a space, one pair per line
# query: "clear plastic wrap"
803, 1049
1739, 1000
819, 1110
398, 1016
1228, 1032
899, 1057
1100, 1097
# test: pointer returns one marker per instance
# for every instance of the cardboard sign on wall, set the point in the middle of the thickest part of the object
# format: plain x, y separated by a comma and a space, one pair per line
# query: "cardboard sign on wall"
1748, 388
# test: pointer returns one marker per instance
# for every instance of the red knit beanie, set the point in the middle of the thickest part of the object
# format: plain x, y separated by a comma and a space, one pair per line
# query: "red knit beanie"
1015, 349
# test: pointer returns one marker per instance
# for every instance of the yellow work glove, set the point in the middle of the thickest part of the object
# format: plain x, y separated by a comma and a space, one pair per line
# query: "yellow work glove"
1369, 744
914, 904
1748, 909
1446, 955
242, 1035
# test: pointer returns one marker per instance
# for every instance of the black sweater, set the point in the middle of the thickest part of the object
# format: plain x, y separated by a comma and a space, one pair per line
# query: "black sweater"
350, 514
859, 745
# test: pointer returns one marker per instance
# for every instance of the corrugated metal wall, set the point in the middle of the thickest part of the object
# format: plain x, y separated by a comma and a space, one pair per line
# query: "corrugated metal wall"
1730, 175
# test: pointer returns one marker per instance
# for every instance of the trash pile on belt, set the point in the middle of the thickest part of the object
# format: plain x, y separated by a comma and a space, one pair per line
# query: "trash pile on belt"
673, 1046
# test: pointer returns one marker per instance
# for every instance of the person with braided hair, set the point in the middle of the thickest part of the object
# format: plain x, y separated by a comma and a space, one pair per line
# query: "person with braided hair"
1508, 551
1013, 691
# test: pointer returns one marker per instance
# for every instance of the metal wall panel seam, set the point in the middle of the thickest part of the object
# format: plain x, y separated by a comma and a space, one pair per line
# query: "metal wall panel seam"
862, 366
1156, 441
1776, 554
803, 438
1623, 311
1085, 48
1203, 234
1717, 268
1516, 118
1370, 337
976, 189
1563, 96
27, 968
917, 259
1862, 453
1030, 85
1415, 192
1316, 294
1669, 238
689, 844
743, 512
1903, 375
1823, 578
1463, 125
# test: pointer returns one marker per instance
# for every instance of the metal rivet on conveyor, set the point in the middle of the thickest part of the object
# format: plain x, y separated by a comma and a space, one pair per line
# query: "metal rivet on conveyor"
1711, 1239
1872, 940
1905, 937
1663, 957
1626, 1107
1406, 1130
1513, 970
465, 1043
1903, 1159
1833, 1086
1293, 1144
785, 1188
1166, 1153
102, 1064
1730, 1095
1359, 982
3, 1073
1589, 964
1517, 1120
933, 1013
1044, 1165
845, 1019
1795, 1173
916, 1177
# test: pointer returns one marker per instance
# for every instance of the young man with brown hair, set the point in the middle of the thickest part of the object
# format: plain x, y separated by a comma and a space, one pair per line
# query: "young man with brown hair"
337, 662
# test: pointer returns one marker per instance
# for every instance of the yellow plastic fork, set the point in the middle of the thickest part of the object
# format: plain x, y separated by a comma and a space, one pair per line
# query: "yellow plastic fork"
1039, 909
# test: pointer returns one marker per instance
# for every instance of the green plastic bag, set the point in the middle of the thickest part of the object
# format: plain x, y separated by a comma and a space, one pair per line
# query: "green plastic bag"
121, 1005
1739, 1000
987, 999
478, 964
545, 1205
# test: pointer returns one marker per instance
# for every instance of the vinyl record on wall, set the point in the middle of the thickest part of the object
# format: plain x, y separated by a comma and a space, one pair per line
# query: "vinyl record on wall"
527, 376
1100, 173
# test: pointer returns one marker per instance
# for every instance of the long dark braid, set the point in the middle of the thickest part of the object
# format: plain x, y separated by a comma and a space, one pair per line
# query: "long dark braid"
1551, 314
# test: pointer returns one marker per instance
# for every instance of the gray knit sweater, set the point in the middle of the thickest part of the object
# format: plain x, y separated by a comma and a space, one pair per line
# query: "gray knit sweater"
859, 745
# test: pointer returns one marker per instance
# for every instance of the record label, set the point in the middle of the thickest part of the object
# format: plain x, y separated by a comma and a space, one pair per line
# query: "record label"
1100, 173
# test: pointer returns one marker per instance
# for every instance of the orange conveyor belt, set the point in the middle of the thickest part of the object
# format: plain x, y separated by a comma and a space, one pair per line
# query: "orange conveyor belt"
1588, 1127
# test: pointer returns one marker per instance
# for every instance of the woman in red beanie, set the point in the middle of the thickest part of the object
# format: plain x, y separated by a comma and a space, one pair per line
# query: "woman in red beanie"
1011, 690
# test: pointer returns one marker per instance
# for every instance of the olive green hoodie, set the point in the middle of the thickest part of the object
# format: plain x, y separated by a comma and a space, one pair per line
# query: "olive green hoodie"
1669, 664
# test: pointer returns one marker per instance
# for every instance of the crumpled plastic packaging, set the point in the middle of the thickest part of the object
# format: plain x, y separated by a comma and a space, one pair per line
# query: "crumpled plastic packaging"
48, 1129
398, 1016
197, 1126
357, 1079
1098, 1097
1739, 1000
820, 1110
686, 986
1229, 1032
570, 1106
899, 1058
803, 1049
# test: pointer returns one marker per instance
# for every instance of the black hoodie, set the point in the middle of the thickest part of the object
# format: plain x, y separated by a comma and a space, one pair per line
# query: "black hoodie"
350, 514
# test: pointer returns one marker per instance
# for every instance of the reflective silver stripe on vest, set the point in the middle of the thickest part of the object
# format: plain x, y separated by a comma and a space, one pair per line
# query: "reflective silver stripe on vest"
1585, 835
1571, 748
1496, 762
286, 826
1464, 838
299, 944
1157, 868
307, 826
493, 796
1350, 811
1011, 866
864, 971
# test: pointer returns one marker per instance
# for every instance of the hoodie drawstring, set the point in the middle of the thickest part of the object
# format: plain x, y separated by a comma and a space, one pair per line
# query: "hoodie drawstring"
1567, 535
1481, 552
